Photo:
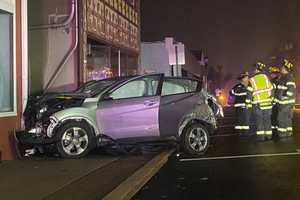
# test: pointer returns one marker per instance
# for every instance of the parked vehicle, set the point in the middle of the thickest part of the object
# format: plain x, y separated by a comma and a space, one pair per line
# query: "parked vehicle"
122, 110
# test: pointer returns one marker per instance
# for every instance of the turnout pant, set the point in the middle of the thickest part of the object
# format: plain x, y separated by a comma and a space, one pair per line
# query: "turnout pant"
241, 120
263, 122
274, 117
285, 120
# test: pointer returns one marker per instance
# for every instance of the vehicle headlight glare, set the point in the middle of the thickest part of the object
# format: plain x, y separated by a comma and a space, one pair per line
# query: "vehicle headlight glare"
44, 109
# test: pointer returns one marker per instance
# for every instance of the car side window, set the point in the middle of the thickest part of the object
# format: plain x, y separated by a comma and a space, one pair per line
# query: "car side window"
143, 87
178, 86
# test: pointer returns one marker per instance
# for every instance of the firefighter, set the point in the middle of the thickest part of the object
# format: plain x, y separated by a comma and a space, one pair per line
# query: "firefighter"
239, 94
286, 99
260, 97
275, 76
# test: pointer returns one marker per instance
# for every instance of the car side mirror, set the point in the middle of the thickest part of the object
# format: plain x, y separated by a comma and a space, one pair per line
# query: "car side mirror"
107, 97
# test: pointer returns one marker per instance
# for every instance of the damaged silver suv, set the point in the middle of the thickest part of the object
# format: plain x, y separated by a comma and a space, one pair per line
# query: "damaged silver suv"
122, 110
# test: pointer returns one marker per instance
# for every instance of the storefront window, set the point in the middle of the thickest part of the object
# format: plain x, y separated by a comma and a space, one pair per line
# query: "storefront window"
6, 63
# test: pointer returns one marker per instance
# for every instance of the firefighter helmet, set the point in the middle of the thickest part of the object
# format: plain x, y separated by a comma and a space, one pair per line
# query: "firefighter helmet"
242, 75
287, 64
260, 66
274, 70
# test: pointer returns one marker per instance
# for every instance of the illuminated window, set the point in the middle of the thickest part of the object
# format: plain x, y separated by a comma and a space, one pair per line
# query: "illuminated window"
116, 4
101, 9
123, 8
120, 6
6, 63
126, 10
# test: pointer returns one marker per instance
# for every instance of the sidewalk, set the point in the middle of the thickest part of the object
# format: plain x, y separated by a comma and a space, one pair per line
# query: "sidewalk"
89, 178
35, 179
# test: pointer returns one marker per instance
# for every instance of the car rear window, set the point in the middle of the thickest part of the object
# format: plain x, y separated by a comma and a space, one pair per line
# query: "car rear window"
178, 86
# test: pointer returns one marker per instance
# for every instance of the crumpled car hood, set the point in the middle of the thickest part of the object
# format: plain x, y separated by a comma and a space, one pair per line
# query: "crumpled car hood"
40, 107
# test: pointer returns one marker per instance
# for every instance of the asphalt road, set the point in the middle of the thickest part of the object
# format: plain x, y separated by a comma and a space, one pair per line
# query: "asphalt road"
233, 168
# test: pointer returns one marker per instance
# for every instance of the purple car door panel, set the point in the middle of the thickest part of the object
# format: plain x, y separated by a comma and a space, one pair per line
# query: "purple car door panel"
172, 109
128, 118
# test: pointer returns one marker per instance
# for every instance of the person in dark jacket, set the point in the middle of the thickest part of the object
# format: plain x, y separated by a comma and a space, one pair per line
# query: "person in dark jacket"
275, 77
239, 94
285, 98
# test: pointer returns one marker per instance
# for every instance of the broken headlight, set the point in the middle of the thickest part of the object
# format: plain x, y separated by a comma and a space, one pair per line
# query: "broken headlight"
41, 112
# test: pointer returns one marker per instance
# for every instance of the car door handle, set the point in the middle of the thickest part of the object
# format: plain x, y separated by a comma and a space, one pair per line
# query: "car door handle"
150, 103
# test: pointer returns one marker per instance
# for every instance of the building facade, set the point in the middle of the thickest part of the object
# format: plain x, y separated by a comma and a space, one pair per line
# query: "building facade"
74, 41
10, 74
171, 58
109, 38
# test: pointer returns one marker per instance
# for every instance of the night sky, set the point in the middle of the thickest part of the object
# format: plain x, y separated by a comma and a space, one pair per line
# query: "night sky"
233, 33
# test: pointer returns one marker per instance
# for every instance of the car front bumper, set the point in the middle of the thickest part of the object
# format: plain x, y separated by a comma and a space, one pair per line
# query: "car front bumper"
27, 141
26, 138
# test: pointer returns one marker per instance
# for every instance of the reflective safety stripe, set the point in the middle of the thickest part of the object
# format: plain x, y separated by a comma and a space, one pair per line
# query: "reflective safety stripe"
268, 132
260, 132
289, 129
250, 89
291, 83
265, 104
282, 129
282, 87
266, 107
248, 101
242, 127
289, 93
238, 94
269, 87
262, 101
239, 105
261, 91
253, 82
274, 127
285, 102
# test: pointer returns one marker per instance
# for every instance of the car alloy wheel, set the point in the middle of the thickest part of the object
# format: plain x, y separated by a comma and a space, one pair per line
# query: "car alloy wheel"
74, 141
197, 139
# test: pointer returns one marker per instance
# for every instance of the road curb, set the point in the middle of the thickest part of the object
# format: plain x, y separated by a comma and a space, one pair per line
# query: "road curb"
128, 188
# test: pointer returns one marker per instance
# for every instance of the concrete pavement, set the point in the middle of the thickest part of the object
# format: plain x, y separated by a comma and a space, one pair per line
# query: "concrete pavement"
93, 177
36, 179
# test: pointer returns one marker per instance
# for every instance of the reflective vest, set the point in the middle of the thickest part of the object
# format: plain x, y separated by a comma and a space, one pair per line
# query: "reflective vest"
261, 90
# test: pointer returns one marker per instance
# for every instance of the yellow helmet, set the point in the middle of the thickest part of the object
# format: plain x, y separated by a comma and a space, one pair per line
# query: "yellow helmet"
274, 69
287, 64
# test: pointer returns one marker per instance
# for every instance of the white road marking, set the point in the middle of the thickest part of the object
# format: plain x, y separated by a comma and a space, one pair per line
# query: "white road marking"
241, 156
223, 135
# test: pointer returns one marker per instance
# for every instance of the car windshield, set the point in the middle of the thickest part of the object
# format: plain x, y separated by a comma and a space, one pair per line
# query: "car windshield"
95, 87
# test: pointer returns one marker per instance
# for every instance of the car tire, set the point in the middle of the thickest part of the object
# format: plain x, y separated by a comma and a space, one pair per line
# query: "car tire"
75, 139
195, 139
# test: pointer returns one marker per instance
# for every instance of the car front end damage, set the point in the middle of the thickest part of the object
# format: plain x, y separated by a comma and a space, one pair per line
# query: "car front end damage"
39, 122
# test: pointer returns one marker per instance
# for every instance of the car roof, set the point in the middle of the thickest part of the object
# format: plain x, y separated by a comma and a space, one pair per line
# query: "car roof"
123, 78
